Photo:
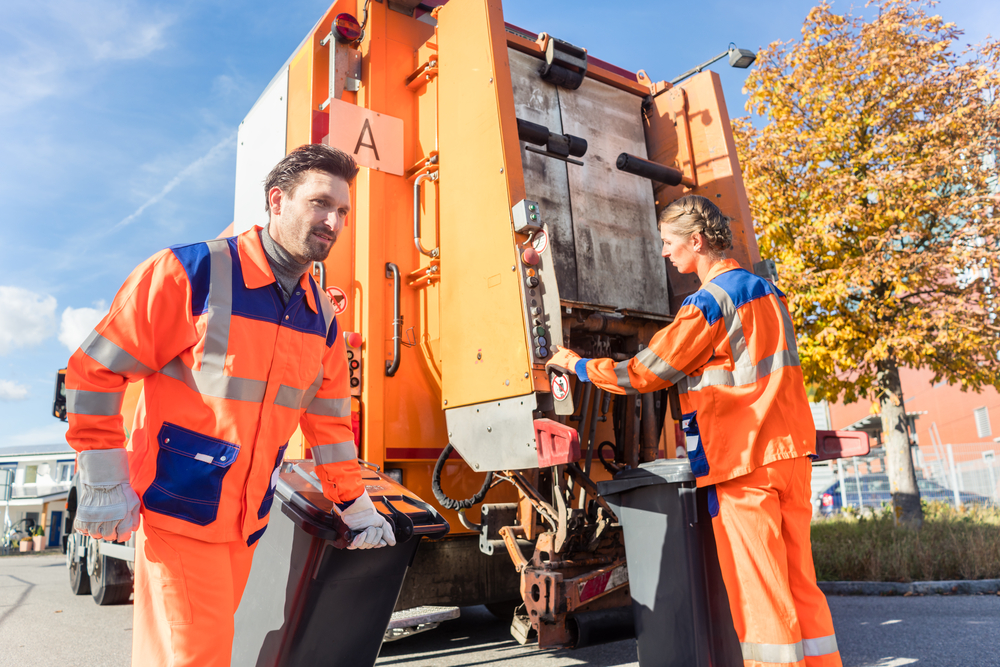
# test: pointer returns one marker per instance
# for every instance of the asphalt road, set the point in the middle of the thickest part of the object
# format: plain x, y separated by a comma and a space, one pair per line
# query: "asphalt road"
42, 624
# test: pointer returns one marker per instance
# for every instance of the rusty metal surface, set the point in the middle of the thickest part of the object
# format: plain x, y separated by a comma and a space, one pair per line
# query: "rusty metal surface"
602, 221
614, 221
545, 179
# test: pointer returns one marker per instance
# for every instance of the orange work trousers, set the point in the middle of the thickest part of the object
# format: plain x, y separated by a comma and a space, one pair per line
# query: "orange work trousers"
761, 524
186, 593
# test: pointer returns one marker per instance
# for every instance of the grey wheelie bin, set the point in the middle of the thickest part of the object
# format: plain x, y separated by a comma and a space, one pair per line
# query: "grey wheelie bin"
309, 600
679, 601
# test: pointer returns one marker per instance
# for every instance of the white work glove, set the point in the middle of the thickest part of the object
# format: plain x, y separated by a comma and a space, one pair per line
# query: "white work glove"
108, 508
373, 530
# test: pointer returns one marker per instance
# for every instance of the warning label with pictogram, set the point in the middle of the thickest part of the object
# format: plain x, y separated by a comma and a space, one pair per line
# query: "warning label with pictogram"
560, 387
339, 298
374, 139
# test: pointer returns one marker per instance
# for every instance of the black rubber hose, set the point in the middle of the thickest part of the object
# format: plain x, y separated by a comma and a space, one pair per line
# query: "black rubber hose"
610, 467
451, 503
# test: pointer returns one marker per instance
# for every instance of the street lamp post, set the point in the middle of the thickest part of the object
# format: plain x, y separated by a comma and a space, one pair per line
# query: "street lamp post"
741, 58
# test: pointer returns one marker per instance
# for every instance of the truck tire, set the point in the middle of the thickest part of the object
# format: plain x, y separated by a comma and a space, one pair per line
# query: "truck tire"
79, 582
111, 581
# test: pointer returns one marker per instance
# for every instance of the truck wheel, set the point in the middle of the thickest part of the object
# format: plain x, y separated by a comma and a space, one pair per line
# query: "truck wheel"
79, 582
111, 581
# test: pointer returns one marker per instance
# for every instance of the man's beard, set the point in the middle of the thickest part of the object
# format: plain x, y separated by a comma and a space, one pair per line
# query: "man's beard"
314, 249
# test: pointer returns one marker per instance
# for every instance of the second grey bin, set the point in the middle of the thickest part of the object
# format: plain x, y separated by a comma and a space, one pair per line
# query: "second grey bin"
679, 601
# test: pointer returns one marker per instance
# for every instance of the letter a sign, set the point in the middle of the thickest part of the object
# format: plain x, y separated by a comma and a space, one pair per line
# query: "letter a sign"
374, 139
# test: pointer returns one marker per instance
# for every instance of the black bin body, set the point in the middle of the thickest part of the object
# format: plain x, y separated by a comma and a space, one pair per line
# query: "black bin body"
311, 601
679, 600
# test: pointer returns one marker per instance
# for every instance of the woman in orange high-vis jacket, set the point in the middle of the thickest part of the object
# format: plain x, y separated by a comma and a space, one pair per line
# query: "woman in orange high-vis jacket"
236, 347
731, 352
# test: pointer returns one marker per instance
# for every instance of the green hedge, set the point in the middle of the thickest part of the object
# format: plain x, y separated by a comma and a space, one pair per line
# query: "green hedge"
951, 545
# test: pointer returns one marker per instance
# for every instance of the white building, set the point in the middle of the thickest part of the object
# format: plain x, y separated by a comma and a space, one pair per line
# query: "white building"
43, 475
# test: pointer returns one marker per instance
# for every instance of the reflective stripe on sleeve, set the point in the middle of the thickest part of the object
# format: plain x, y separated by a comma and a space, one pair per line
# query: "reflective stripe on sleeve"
741, 376
289, 397
658, 367
214, 384
114, 358
330, 407
220, 307
820, 645
775, 653
335, 453
621, 373
97, 403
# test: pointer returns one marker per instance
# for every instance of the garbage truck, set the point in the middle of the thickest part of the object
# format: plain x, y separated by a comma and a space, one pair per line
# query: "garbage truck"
507, 202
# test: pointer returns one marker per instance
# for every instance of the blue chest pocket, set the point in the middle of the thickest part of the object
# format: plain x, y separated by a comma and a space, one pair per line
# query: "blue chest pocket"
693, 444
190, 468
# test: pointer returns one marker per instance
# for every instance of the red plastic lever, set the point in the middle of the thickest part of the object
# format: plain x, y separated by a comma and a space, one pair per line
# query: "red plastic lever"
557, 443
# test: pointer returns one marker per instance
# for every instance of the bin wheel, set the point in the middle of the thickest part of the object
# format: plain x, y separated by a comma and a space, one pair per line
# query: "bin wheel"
79, 582
111, 581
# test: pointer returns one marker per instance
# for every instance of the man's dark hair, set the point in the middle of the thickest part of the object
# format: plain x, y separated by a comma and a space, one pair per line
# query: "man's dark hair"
288, 173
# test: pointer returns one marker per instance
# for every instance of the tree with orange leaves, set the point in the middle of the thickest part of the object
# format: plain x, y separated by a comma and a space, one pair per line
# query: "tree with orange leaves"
872, 178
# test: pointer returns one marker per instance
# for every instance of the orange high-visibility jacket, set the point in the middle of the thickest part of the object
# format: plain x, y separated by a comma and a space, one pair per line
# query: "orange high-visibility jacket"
731, 352
228, 373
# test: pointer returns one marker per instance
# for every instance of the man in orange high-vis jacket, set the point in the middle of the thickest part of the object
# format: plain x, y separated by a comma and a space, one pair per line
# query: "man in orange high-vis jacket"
236, 347
731, 352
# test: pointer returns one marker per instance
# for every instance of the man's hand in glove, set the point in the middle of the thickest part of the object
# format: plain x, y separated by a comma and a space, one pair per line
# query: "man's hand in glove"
562, 359
108, 508
373, 530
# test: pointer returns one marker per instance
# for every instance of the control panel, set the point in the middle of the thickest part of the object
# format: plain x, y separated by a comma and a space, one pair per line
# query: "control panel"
541, 292
353, 342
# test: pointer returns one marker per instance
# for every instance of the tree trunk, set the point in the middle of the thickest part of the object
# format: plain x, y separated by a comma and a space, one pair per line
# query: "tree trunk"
898, 459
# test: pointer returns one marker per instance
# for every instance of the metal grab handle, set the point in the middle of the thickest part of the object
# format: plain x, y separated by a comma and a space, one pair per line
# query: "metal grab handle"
416, 214
392, 271
321, 268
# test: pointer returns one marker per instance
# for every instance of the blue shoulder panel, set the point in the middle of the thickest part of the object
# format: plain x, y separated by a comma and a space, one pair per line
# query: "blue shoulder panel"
194, 258
262, 304
743, 286
704, 302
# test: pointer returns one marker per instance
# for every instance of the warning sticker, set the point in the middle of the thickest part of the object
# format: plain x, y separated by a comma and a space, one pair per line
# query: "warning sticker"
605, 582
560, 387
339, 298
540, 241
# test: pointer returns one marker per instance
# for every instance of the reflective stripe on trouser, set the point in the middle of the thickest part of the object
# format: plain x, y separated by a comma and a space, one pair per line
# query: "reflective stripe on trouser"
186, 593
762, 533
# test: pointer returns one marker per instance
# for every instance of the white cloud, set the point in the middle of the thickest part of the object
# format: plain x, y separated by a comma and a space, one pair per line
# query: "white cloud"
26, 318
77, 323
12, 391
192, 168
37, 65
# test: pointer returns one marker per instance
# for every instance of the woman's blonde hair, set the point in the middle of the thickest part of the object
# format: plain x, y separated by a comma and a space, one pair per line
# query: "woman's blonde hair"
693, 214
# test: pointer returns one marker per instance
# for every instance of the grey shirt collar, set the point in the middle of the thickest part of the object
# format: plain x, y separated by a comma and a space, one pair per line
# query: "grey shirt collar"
287, 271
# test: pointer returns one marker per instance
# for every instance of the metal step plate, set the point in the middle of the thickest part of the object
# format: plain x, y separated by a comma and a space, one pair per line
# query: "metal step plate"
409, 622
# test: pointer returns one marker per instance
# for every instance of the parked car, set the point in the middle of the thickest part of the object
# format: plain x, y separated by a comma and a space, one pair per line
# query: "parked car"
875, 492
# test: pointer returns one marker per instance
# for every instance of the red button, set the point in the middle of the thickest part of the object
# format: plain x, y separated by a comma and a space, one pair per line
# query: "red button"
352, 338
530, 257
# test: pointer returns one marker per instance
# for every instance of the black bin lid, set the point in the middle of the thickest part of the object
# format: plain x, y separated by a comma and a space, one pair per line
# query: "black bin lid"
301, 493
660, 471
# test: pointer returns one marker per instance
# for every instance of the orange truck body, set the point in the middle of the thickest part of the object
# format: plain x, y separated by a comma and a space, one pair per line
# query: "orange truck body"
430, 102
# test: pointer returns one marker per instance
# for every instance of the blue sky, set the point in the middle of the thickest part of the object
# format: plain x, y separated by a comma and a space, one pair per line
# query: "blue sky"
118, 129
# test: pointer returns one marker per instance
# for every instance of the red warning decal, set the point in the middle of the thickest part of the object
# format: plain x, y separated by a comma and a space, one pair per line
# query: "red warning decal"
540, 241
339, 298
560, 387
